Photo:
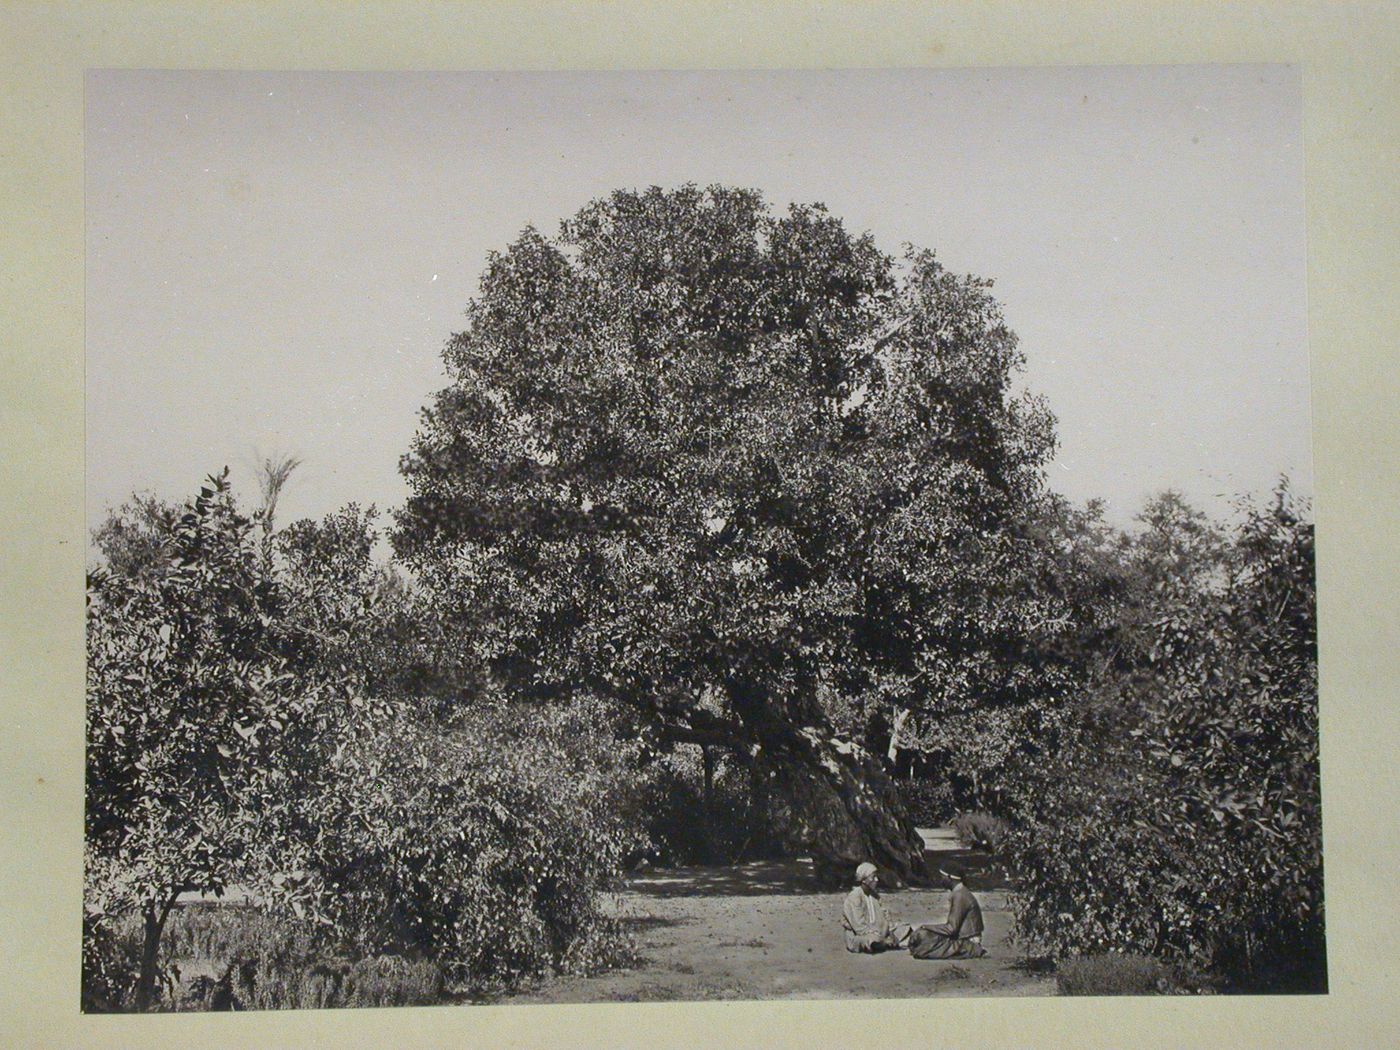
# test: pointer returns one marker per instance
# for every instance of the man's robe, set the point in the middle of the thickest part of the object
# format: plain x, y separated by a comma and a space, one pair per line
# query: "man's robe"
958, 938
866, 923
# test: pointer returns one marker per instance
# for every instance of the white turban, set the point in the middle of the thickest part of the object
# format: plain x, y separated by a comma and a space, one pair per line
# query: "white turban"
865, 871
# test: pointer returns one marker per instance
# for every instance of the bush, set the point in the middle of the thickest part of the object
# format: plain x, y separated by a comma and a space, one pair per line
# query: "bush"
484, 846
1113, 974
1195, 832
981, 830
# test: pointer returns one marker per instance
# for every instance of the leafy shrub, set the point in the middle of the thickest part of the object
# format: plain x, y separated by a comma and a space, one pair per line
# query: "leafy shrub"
1195, 833
484, 847
981, 830
1112, 974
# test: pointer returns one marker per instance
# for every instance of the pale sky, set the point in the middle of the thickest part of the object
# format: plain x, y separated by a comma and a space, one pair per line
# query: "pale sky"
275, 260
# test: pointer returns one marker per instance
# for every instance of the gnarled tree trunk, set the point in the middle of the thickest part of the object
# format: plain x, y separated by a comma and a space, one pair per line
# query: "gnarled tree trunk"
842, 809
829, 797
819, 794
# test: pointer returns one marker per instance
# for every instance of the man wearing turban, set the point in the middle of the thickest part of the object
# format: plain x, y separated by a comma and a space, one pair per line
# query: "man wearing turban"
961, 936
864, 919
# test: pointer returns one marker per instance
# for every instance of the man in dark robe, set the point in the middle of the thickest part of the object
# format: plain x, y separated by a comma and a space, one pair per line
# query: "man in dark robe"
961, 936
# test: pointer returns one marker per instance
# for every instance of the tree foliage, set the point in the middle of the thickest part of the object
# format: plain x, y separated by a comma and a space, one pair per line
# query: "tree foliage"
1189, 824
257, 718
733, 468
189, 699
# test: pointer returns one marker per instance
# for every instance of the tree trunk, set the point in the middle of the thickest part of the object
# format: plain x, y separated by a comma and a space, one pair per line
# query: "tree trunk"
153, 918
843, 811
901, 717
707, 761
828, 797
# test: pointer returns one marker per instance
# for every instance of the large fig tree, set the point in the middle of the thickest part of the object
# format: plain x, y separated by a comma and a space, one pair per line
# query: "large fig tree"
737, 469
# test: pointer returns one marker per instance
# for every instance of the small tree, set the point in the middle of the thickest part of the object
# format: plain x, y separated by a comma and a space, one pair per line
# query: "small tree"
1186, 820
188, 699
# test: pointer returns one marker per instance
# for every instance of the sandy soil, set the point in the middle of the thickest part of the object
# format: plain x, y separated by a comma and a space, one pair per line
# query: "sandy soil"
765, 930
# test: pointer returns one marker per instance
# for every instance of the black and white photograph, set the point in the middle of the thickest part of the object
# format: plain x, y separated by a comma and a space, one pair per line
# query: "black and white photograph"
634, 537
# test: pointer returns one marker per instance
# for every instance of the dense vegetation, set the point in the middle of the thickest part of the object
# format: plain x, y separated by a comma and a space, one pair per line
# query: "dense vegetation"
728, 536
1184, 819
252, 722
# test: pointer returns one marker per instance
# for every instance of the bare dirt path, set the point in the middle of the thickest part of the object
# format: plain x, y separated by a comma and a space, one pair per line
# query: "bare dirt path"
766, 930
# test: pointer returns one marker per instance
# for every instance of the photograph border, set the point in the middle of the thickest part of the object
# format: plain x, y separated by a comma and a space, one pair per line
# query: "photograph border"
1351, 106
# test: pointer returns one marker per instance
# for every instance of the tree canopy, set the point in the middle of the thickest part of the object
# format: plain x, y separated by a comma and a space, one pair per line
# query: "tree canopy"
729, 467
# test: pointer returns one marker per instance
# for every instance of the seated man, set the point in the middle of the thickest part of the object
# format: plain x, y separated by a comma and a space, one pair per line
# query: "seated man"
961, 936
864, 919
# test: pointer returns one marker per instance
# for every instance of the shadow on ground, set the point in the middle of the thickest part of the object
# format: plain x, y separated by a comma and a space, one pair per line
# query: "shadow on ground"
759, 878
646, 923
764, 878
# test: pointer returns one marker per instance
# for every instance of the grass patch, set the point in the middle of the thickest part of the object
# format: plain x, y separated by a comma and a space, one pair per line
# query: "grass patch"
647, 992
247, 960
724, 989
706, 990
1114, 974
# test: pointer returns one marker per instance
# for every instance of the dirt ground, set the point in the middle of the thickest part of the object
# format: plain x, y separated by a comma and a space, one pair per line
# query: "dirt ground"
766, 930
